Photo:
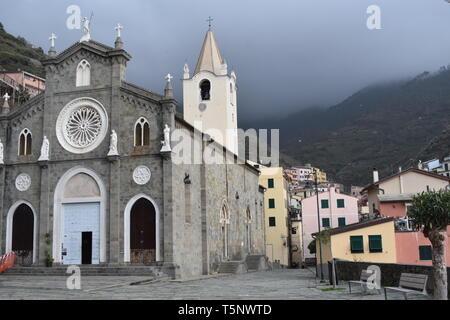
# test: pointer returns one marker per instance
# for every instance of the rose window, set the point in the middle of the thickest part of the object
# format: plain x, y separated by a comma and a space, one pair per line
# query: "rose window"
83, 126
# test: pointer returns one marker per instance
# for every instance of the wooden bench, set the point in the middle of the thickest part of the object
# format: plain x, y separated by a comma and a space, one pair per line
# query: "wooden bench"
362, 281
410, 283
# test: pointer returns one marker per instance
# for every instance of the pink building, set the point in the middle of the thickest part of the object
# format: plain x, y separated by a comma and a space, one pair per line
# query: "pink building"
391, 197
335, 209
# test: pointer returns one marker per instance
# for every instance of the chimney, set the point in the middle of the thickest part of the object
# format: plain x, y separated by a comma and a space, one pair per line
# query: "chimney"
399, 169
375, 175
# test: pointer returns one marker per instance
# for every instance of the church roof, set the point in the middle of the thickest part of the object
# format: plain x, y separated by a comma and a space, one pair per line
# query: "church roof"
91, 45
210, 58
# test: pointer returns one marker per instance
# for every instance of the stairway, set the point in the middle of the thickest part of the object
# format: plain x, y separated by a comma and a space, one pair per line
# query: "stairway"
150, 271
235, 267
257, 262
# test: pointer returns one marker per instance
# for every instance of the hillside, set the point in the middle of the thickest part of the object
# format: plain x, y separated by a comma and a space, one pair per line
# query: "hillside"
16, 53
383, 126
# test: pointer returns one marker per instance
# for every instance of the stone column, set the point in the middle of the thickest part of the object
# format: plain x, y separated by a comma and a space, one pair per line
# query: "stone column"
44, 213
114, 211
168, 117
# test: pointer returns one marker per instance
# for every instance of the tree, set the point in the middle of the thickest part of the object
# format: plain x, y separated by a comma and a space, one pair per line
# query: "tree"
22, 95
430, 213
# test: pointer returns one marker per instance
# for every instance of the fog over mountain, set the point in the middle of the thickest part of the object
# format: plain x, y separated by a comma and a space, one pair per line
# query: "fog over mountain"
287, 54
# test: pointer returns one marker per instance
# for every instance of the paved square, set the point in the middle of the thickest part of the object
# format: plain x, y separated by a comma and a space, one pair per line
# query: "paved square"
284, 284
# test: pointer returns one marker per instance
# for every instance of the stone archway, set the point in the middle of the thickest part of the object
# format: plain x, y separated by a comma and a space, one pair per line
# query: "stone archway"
248, 230
142, 232
79, 223
141, 223
22, 232
224, 223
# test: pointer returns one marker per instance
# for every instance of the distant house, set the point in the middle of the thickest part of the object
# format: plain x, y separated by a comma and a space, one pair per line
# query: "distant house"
335, 210
14, 79
276, 208
392, 196
367, 241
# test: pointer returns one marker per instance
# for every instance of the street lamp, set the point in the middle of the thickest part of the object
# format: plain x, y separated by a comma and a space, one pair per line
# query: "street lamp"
318, 224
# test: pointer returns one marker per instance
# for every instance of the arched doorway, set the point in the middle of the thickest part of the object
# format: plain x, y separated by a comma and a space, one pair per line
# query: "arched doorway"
79, 223
224, 222
143, 232
21, 233
248, 230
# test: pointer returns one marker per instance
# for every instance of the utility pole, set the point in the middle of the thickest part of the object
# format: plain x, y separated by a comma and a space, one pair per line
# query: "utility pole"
318, 224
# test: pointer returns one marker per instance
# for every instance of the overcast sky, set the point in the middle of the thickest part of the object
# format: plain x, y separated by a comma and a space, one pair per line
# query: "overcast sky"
287, 54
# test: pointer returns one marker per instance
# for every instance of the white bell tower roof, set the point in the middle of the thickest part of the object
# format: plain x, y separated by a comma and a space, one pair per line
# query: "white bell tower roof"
210, 58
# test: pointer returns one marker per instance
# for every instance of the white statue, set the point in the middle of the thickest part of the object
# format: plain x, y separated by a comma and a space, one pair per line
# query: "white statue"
113, 144
45, 150
86, 30
166, 142
1, 152
186, 71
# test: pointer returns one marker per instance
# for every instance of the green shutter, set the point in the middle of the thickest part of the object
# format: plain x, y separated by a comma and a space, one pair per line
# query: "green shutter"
340, 203
425, 253
325, 222
375, 244
341, 222
270, 183
356, 244
271, 203
324, 204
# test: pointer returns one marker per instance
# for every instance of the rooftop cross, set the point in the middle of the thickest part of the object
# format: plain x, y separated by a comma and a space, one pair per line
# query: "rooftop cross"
6, 97
209, 20
52, 38
169, 77
118, 29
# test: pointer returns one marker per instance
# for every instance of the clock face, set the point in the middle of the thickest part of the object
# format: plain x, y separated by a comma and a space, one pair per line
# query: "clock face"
202, 107
82, 125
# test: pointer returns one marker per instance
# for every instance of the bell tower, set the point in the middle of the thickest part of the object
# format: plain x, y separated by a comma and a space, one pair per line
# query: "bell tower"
209, 96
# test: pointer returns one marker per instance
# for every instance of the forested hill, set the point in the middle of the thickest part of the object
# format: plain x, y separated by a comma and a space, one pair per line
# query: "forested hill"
16, 53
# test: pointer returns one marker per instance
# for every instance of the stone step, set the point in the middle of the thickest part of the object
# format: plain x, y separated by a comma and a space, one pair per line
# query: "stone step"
154, 271
257, 262
233, 267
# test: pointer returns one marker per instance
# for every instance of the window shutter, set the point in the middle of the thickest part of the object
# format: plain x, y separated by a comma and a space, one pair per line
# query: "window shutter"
340, 203
341, 222
375, 244
425, 253
356, 244
324, 204
325, 222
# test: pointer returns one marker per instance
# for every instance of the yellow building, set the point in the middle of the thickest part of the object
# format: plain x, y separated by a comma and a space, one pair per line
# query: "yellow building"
368, 241
276, 206
321, 175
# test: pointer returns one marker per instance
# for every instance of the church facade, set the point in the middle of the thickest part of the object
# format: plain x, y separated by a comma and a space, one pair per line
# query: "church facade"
87, 175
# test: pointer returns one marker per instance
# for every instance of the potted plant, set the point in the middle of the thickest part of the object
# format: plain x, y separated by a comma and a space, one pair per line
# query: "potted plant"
48, 259
48, 256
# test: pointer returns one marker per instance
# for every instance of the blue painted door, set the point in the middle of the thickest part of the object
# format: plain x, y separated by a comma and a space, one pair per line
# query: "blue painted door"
79, 218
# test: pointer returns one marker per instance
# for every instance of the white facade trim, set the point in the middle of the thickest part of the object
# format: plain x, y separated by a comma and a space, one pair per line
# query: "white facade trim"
126, 226
9, 227
59, 200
